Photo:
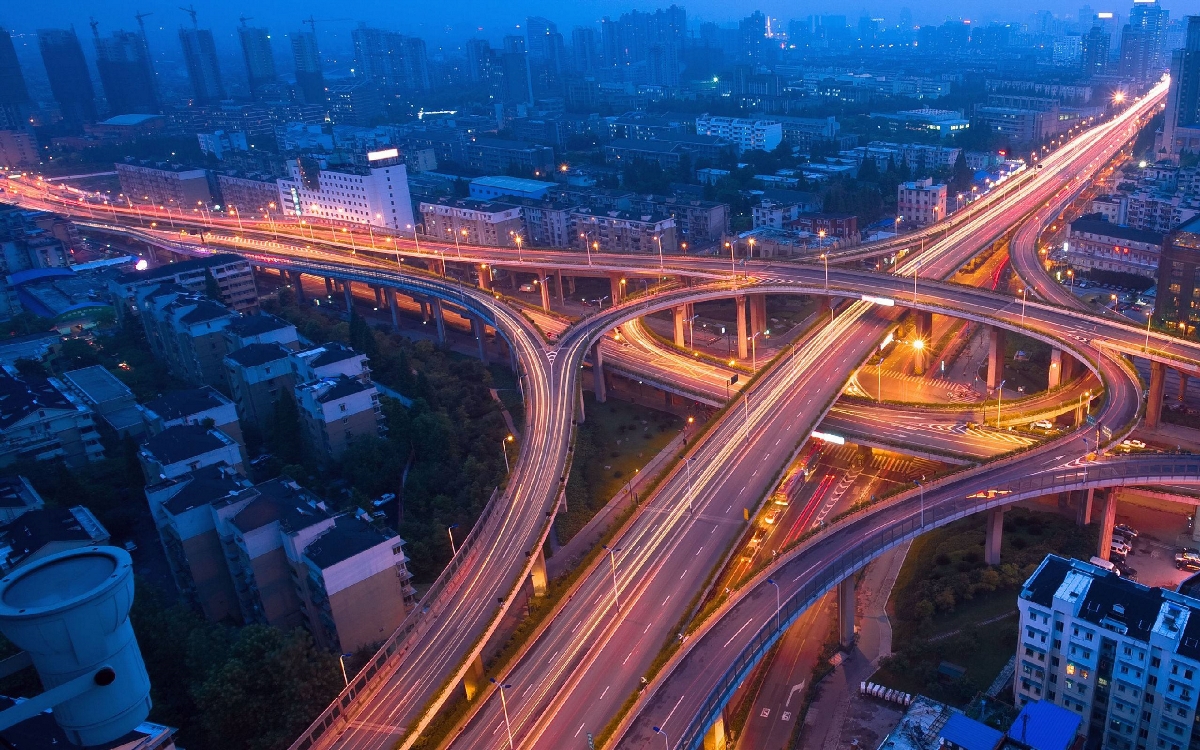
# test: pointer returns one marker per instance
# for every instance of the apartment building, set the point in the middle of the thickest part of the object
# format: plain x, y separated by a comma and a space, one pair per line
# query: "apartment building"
46, 531
17, 497
499, 156
257, 374
185, 448
335, 410
42, 420
331, 360
261, 329
171, 186
1096, 244
475, 222
192, 406
251, 197
187, 331
108, 398
233, 274
1155, 211
375, 195
1178, 299
920, 203
1123, 656
744, 133
619, 231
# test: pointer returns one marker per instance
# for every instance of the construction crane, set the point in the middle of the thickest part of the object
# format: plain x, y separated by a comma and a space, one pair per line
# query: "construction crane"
312, 22
141, 20
95, 26
191, 11
244, 19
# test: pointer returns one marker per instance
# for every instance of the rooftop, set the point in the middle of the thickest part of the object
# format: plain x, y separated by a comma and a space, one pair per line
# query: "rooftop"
34, 530
182, 404
341, 387
255, 325
1044, 726
348, 537
182, 442
205, 310
328, 354
16, 492
970, 734
253, 355
1095, 224
171, 270
203, 487
98, 384
42, 732
129, 120
513, 183
280, 501
20, 398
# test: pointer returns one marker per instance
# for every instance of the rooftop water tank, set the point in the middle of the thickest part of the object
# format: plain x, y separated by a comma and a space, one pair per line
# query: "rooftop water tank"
70, 612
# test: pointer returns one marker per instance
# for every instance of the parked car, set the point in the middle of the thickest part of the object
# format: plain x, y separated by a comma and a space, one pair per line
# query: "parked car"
1043, 424
1126, 571
1120, 548
1121, 538
1190, 564
1125, 529
527, 288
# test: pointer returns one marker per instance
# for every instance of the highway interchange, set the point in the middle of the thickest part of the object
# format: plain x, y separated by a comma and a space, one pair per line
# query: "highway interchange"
575, 676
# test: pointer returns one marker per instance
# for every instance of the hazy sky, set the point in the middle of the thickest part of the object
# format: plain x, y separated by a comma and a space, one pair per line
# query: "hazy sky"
452, 20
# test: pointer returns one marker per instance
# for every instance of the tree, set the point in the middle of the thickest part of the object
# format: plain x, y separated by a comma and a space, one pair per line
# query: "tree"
287, 434
869, 171
212, 290
960, 179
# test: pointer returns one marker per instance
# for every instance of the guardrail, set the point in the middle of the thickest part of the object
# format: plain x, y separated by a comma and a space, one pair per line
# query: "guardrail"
415, 624
1087, 476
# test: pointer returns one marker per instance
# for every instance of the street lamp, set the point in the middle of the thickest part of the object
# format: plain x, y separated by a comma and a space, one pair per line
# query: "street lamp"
1023, 291
450, 531
504, 705
999, 395
666, 742
825, 257
777, 605
504, 450
922, 488
342, 660
732, 262
658, 239
612, 551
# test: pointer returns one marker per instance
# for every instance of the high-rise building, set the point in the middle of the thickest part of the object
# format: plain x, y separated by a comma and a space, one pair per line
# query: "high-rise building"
585, 50
70, 81
547, 58
1094, 52
14, 96
1142, 39
1181, 129
479, 60
393, 62
1123, 656
753, 37
126, 73
200, 56
517, 86
260, 62
310, 79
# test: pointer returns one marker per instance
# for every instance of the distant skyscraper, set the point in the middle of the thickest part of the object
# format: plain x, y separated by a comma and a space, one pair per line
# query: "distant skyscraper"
479, 60
14, 97
1142, 41
585, 50
1181, 128
260, 62
310, 79
547, 58
393, 62
70, 81
126, 73
517, 86
753, 35
1095, 51
200, 56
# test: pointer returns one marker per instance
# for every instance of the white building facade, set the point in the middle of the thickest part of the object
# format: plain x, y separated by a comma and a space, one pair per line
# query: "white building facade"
377, 195
746, 134
920, 203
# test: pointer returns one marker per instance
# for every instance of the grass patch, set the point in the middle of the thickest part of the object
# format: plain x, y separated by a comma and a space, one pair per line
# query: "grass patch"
504, 380
951, 606
616, 440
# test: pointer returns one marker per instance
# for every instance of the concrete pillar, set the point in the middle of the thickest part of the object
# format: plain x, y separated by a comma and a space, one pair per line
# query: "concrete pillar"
1068, 368
845, 599
617, 288
544, 288
1183, 384
743, 348
758, 313
1106, 524
328, 287
537, 576
1154, 401
440, 319
1056, 368
394, 308
512, 280
480, 330
348, 291
570, 284
424, 311
995, 535
824, 305
1085, 507
923, 330
679, 312
598, 373
995, 372
298, 283
558, 285
473, 681
378, 296
582, 413
714, 738
485, 278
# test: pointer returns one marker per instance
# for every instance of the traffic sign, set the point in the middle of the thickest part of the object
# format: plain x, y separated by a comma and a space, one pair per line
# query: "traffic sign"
591, 742
1091, 420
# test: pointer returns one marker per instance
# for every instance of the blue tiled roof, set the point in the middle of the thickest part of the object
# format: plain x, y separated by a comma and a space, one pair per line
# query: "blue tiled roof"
1044, 726
970, 734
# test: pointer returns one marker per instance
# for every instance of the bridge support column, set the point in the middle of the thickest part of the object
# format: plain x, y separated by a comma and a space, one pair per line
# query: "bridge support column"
845, 600
558, 286
1183, 384
485, 277
923, 329
570, 285
328, 287
1068, 368
714, 738
995, 371
473, 681
391, 294
298, 283
743, 349
348, 292
679, 311
1107, 520
617, 288
758, 313
424, 311
598, 373
544, 289
1154, 401
378, 296
537, 576
479, 328
995, 536
439, 318
1085, 507
1056, 368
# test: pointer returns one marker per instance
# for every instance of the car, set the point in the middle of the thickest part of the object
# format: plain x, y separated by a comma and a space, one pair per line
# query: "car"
1119, 548
1187, 554
1126, 530
260, 460
1043, 424
1126, 571
129, 546
772, 516
384, 499
1190, 564
1119, 537
527, 288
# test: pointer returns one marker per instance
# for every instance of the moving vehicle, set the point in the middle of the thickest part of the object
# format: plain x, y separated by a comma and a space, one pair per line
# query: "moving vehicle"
527, 288
1043, 424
